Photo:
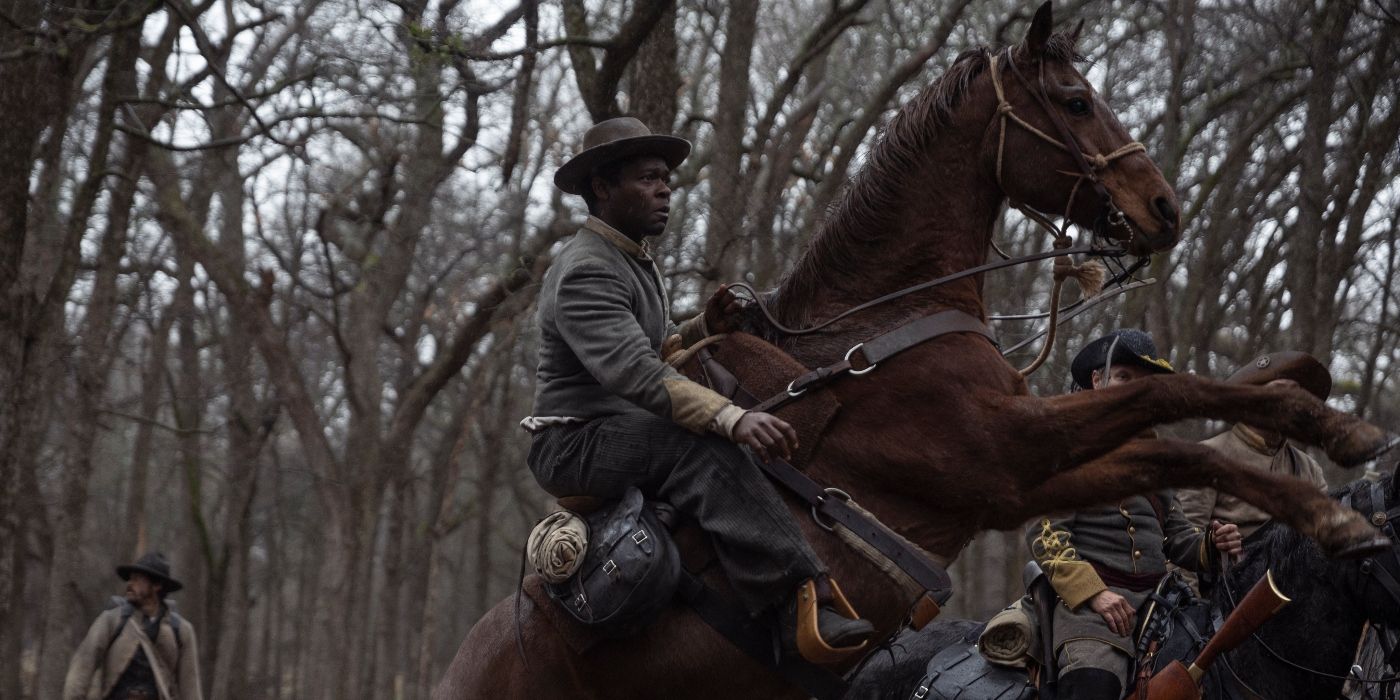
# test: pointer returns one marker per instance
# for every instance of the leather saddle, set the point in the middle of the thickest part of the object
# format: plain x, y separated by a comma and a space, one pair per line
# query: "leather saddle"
1172, 625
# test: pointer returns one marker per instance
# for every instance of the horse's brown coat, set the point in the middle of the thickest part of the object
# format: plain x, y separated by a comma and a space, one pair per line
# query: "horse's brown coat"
764, 371
944, 440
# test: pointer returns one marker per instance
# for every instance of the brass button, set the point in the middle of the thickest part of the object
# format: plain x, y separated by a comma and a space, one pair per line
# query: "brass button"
1137, 553
1131, 529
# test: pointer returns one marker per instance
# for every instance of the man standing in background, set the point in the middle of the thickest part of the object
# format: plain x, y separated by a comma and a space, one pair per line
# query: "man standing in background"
143, 650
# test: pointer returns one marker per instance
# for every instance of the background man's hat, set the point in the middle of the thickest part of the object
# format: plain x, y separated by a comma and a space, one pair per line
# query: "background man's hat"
1129, 346
152, 564
614, 139
1301, 367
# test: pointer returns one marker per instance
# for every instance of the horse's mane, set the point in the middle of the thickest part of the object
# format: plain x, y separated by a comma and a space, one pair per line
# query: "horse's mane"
1292, 556
869, 200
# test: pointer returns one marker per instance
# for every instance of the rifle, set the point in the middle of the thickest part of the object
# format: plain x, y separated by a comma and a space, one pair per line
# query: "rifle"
1178, 682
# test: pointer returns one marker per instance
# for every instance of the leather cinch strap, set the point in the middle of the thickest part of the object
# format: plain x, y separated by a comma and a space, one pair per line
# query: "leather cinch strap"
836, 506
877, 350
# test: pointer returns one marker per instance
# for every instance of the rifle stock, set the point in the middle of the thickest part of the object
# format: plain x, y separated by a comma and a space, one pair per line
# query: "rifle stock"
1260, 604
1177, 682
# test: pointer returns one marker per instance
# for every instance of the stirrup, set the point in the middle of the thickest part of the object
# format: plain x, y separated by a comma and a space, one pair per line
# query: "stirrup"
809, 639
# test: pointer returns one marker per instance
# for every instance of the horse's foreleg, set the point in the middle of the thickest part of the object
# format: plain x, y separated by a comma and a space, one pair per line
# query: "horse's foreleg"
1088, 424
1142, 466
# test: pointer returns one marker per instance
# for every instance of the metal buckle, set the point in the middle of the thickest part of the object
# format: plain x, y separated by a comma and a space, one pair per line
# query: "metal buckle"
847, 358
795, 394
610, 567
638, 537
921, 693
580, 600
829, 491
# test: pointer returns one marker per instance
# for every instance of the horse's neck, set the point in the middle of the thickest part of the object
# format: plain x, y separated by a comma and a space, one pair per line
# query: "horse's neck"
891, 230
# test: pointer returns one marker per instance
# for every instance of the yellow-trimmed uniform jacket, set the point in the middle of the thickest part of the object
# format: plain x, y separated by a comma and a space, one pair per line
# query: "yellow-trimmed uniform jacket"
1079, 551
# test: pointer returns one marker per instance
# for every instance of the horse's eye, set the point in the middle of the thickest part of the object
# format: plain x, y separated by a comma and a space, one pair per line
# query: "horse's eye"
1078, 106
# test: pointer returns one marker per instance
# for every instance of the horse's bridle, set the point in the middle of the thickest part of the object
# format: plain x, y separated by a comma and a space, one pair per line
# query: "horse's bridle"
1384, 519
1090, 166
1111, 219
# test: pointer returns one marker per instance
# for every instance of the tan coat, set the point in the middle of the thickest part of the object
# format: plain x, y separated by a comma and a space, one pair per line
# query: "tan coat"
1245, 446
176, 665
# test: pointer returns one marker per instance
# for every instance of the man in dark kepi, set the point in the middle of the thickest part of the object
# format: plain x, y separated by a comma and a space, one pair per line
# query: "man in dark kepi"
1103, 562
609, 413
141, 648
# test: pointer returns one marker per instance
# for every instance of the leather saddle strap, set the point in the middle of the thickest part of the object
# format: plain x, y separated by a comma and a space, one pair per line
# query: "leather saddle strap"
880, 348
755, 639
835, 505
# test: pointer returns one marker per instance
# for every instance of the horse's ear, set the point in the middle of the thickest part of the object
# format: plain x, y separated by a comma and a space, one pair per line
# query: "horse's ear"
1039, 33
1078, 30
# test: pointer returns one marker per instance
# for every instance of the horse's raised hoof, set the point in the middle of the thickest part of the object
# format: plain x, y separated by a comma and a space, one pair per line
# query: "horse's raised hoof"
1359, 441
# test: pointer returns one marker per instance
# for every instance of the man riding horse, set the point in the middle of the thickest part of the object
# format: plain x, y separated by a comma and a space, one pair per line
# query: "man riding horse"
942, 441
1261, 448
609, 413
1103, 562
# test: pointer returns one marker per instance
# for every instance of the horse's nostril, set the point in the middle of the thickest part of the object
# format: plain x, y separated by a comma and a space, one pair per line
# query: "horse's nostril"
1166, 210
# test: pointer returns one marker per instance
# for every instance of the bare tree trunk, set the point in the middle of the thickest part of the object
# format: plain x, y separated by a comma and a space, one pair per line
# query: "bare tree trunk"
152, 390
96, 351
1310, 333
447, 467
34, 96
723, 240
389, 638
1366, 394
654, 79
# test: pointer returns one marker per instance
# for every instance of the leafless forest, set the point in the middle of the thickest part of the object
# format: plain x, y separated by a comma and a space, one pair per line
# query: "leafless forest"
268, 269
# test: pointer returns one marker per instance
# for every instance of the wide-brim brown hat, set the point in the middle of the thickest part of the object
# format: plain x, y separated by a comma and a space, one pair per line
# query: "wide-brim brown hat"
1127, 345
616, 139
152, 564
1301, 367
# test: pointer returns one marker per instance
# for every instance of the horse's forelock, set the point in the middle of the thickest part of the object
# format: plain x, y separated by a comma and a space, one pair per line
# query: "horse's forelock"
1061, 46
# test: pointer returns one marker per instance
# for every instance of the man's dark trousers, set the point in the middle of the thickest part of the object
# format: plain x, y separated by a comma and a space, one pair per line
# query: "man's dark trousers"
704, 476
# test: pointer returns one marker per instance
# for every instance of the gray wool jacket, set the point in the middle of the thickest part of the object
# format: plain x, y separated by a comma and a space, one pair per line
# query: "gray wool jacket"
603, 316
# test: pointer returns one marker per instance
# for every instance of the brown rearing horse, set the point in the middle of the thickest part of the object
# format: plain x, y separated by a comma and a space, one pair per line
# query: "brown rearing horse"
944, 440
